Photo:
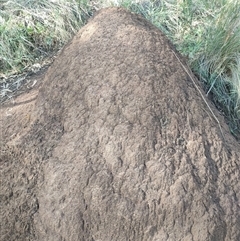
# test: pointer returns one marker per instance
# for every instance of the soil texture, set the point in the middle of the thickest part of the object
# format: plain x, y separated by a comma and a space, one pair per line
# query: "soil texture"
118, 144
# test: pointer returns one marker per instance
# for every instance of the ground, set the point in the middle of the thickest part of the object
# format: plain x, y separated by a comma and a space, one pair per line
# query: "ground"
117, 143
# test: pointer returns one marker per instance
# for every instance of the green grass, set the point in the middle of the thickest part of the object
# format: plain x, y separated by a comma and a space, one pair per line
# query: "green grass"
206, 32
30, 29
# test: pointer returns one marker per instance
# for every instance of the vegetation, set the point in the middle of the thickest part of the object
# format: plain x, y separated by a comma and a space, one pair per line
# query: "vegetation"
206, 32
31, 29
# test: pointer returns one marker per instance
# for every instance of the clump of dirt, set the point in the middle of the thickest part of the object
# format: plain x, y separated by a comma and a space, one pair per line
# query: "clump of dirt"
121, 146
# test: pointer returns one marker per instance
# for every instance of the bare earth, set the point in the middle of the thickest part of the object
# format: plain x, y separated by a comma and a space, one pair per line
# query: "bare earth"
117, 144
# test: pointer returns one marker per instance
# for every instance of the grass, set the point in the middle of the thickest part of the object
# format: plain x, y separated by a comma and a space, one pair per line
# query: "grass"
206, 32
30, 30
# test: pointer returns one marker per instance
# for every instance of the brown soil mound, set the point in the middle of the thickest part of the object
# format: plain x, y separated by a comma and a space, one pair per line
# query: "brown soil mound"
120, 146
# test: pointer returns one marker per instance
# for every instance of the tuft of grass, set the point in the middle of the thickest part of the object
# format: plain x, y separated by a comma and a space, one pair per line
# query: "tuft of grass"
217, 62
30, 30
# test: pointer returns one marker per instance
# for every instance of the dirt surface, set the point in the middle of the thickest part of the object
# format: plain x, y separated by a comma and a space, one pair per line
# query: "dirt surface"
117, 145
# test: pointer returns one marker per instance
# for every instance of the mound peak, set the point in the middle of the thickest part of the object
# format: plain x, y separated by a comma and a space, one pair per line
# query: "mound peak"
124, 146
